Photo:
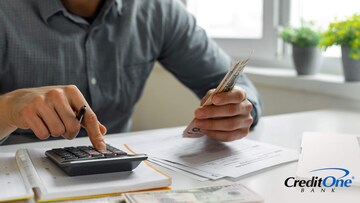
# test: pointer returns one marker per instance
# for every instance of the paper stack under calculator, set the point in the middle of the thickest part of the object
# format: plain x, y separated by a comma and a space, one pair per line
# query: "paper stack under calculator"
206, 159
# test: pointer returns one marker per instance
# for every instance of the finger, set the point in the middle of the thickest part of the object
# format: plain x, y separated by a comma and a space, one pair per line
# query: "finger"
37, 125
232, 97
227, 110
218, 111
51, 120
224, 124
67, 116
203, 100
93, 129
90, 121
227, 136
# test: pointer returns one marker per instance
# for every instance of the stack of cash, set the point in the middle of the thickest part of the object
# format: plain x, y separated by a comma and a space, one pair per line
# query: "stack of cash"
236, 193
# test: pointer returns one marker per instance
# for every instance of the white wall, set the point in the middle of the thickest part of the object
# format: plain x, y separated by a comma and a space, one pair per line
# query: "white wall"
165, 103
284, 92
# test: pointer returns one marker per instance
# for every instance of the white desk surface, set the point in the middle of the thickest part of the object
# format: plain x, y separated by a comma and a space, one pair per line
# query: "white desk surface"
283, 130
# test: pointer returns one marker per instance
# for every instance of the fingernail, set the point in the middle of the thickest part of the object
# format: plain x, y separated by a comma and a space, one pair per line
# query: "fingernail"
101, 145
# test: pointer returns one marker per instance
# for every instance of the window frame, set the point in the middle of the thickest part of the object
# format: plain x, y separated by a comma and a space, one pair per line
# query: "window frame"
273, 52
243, 47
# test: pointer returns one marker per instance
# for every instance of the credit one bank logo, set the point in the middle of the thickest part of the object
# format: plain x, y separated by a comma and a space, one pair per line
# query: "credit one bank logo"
324, 184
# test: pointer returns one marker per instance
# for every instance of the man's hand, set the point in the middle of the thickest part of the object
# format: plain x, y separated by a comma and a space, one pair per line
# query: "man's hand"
228, 118
50, 111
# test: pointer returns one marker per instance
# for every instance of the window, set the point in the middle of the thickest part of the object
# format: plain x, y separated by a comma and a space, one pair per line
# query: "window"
322, 12
223, 19
239, 26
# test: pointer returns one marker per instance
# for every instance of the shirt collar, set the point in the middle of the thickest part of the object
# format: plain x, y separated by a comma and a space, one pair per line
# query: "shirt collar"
48, 8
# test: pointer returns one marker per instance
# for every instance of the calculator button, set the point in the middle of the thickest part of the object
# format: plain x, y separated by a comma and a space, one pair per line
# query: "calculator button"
67, 158
107, 153
90, 151
115, 150
63, 153
79, 153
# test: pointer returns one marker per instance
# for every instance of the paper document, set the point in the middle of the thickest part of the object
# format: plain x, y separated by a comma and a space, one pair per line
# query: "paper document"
212, 159
326, 154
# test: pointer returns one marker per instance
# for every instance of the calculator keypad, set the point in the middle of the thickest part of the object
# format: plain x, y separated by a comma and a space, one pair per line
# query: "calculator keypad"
87, 152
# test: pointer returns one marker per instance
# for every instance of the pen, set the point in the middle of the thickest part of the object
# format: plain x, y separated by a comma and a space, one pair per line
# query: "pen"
81, 113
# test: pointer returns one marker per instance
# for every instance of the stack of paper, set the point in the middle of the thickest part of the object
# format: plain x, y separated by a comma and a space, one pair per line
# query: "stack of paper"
206, 159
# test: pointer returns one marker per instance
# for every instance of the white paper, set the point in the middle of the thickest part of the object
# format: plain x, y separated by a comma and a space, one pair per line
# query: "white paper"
116, 199
11, 182
60, 185
320, 150
180, 171
188, 169
232, 159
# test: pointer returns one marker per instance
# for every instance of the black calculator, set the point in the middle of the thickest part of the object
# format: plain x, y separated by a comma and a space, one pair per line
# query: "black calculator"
86, 160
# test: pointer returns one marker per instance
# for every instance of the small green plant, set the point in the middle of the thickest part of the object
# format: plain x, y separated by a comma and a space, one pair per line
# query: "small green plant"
345, 33
304, 36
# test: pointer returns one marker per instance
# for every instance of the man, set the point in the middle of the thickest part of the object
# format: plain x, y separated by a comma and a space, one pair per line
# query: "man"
58, 55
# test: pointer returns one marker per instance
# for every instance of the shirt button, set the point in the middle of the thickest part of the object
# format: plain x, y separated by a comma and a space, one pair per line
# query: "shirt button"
93, 81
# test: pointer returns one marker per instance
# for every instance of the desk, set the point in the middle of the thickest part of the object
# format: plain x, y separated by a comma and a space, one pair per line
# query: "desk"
283, 130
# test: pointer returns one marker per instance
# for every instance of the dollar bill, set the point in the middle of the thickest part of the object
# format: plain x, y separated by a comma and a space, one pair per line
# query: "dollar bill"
235, 193
226, 85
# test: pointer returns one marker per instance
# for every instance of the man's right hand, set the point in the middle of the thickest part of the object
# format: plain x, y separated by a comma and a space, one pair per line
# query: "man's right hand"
49, 111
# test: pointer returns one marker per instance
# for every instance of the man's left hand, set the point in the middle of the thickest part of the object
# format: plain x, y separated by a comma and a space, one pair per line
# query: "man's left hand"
228, 118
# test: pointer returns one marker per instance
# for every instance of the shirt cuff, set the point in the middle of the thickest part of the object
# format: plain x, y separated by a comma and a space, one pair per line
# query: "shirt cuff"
3, 140
255, 114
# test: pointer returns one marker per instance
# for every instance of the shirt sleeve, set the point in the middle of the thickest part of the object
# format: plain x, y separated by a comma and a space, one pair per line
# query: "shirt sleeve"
2, 42
195, 59
3, 140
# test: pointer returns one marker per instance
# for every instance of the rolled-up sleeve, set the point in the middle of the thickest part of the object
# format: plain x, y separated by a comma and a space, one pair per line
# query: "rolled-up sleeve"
195, 59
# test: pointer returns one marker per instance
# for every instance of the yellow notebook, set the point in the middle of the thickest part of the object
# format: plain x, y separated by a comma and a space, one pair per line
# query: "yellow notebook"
35, 176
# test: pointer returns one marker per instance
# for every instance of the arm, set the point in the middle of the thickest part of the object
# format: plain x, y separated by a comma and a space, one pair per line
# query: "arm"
45, 110
200, 64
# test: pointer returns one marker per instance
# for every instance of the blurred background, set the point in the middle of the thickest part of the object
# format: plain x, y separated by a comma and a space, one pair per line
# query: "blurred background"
240, 26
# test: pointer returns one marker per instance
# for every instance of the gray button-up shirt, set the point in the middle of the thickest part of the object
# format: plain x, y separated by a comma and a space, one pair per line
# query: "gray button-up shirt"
109, 60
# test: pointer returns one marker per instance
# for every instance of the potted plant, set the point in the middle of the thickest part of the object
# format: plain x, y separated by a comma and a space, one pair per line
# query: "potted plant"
307, 56
346, 33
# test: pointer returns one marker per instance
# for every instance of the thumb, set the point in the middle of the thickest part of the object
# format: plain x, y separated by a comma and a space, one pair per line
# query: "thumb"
205, 98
